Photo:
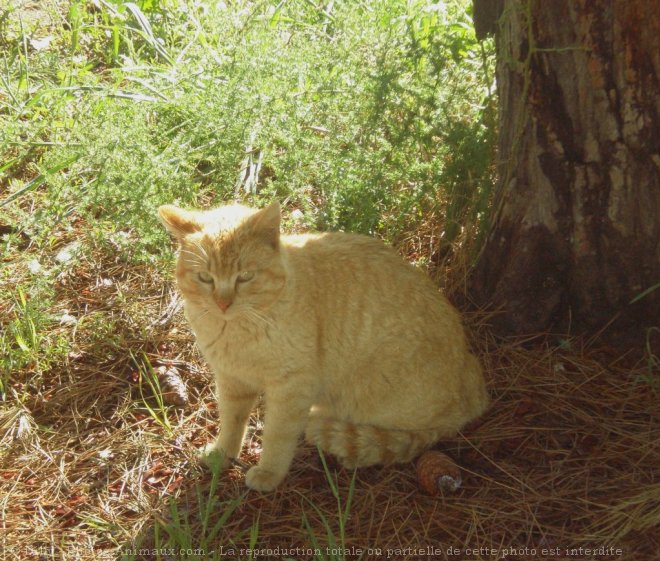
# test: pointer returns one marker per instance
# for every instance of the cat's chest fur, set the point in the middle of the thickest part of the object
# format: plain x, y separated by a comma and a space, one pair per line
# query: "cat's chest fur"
254, 352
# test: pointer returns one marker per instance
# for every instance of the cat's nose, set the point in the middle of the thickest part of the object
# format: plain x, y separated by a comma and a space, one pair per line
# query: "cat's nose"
223, 303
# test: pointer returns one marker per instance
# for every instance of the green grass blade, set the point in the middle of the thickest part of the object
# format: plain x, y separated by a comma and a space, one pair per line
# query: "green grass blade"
39, 180
75, 20
645, 293
147, 31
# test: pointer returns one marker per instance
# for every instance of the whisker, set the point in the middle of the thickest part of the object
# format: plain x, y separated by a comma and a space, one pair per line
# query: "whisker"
201, 249
194, 258
190, 253
206, 313
258, 317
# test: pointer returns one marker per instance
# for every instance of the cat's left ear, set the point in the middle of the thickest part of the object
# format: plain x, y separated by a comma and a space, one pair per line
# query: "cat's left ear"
179, 222
267, 221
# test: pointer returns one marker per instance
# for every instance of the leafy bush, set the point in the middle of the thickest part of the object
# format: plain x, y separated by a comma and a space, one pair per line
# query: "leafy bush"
365, 115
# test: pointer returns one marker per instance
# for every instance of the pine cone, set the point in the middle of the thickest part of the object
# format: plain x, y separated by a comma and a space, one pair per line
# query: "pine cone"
172, 388
437, 472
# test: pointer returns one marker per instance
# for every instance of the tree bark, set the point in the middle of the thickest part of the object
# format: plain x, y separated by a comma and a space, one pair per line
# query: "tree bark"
575, 233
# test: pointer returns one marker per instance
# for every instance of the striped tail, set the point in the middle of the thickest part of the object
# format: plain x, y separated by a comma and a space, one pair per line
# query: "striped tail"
364, 445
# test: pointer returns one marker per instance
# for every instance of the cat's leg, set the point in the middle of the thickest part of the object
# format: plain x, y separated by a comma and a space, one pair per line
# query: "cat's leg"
235, 403
287, 412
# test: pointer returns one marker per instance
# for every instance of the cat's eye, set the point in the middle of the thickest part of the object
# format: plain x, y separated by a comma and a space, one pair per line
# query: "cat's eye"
245, 276
205, 277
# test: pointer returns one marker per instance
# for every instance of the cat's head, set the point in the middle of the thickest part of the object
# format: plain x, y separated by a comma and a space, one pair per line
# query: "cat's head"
229, 262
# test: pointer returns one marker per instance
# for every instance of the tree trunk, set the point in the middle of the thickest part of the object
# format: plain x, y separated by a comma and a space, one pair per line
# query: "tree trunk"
575, 233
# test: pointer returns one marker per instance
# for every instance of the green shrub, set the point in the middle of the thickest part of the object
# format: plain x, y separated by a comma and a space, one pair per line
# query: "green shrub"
367, 117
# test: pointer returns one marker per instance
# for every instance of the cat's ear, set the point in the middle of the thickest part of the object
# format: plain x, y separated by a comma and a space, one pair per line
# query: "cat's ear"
179, 222
267, 223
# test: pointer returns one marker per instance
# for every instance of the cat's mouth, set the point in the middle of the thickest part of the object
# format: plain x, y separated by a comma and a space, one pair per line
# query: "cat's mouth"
227, 313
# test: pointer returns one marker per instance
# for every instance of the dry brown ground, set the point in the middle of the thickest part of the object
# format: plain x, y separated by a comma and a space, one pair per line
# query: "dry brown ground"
567, 456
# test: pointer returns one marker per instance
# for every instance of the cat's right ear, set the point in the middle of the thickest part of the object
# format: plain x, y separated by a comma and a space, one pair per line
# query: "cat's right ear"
179, 222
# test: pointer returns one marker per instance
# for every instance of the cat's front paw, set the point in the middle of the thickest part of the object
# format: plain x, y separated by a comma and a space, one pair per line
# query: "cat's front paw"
212, 457
261, 479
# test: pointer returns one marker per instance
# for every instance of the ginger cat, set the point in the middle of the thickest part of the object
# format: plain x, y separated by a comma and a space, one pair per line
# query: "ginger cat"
348, 343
